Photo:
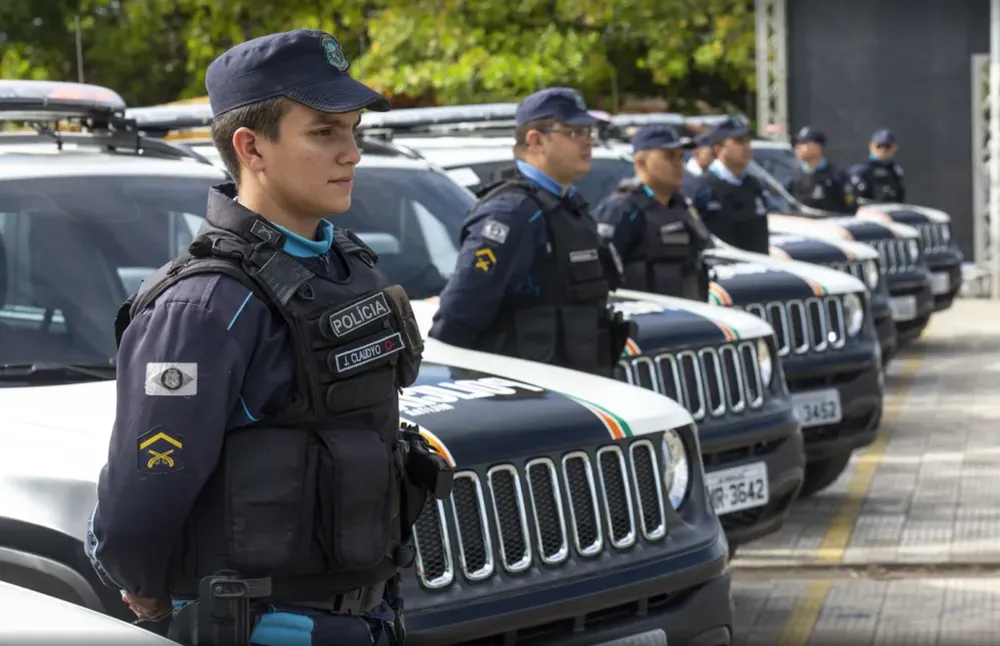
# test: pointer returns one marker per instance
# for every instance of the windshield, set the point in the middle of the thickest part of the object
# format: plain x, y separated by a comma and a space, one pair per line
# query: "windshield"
601, 181
73, 249
781, 163
411, 218
778, 199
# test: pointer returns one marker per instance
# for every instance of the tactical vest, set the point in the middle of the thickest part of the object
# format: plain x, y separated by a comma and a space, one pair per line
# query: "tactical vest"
739, 222
668, 260
819, 190
565, 322
885, 185
310, 496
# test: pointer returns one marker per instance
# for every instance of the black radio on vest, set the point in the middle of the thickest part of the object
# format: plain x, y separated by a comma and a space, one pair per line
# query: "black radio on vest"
568, 321
318, 501
741, 219
668, 260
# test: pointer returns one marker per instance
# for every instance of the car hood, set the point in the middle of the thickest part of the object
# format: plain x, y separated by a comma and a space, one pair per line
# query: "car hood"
746, 277
29, 617
903, 213
473, 406
798, 247
847, 227
668, 322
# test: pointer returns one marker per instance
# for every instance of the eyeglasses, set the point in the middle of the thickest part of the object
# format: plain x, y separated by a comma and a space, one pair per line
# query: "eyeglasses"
581, 133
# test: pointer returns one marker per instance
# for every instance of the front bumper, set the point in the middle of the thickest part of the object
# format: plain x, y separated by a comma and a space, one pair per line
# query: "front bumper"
771, 435
856, 376
885, 327
946, 277
686, 595
913, 303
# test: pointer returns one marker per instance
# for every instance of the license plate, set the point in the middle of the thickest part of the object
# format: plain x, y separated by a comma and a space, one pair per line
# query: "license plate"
649, 638
940, 282
818, 407
738, 488
904, 308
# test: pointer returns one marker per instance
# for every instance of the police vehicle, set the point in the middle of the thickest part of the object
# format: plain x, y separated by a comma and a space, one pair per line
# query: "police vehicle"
30, 617
938, 253
721, 364
902, 263
822, 318
580, 504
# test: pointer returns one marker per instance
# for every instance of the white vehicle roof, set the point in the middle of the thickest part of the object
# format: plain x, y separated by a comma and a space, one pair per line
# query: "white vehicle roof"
29, 617
28, 162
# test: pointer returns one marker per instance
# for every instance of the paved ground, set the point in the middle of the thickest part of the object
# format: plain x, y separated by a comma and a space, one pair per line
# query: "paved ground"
905, 547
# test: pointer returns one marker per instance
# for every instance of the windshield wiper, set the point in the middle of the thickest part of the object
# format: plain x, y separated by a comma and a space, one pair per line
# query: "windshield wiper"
46, 370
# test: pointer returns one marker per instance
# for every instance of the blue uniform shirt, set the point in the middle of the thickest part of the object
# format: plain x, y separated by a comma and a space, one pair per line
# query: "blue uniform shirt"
500, 241
238, 358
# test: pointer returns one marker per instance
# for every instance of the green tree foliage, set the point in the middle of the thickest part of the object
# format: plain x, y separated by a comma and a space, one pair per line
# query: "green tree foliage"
444, 51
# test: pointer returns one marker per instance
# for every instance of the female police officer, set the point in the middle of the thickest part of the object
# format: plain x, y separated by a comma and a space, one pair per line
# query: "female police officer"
257, 428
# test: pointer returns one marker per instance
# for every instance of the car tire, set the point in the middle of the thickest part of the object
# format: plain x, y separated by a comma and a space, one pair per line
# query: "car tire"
823, 473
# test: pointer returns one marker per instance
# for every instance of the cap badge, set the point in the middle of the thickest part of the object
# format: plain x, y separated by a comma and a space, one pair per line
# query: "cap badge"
578, 100
334, 54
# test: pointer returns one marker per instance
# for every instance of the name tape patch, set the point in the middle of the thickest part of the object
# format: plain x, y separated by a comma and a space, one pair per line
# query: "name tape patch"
358, 315
171, 379
584, 255
352, 359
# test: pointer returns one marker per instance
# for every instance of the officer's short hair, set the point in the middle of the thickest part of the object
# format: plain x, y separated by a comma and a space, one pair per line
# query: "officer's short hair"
263, 117
521, 134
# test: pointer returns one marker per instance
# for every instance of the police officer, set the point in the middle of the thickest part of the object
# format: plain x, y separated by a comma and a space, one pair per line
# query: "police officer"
701, 158
879, 179
257, 447
819, 183
652, 225
733, 204
533, 277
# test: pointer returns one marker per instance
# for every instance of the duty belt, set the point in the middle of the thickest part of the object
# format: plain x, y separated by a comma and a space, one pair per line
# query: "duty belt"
354, 602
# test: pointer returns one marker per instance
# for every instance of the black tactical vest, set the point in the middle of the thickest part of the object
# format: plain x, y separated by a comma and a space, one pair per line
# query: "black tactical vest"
309, 497
668, 260
742, 220
820, 190
885, 185
566, 322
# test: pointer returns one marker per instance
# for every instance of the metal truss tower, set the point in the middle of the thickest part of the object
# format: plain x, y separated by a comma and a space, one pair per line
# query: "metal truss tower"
772, 69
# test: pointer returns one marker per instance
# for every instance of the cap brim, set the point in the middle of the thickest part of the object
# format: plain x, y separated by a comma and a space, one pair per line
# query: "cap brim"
339, 94
684, 143
582, 119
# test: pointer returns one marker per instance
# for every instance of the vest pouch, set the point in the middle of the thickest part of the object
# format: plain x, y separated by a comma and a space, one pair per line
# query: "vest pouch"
535, 333
580, 335
585, 266
271, 483
357, 494
373, 388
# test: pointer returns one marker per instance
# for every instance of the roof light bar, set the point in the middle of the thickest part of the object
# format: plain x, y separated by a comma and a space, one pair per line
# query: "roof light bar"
164, 118
55, 100
417, 118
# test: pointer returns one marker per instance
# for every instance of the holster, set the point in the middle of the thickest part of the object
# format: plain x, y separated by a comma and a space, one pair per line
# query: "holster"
222, 616
620, 331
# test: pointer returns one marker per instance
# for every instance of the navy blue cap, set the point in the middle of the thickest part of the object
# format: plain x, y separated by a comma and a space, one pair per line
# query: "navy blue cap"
730, 128
305, 65
703, 139
808, 133
883, 137
561, 104
658, 136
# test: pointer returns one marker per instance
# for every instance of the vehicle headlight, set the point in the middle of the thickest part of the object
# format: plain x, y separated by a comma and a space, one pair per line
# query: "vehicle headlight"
764, 362
676, 468
913, 247
871, 274
854, 314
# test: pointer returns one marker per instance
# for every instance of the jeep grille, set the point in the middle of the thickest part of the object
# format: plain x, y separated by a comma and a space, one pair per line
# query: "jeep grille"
855, 268
584, 503
711, 382
933, 237
813, 325
894, 255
